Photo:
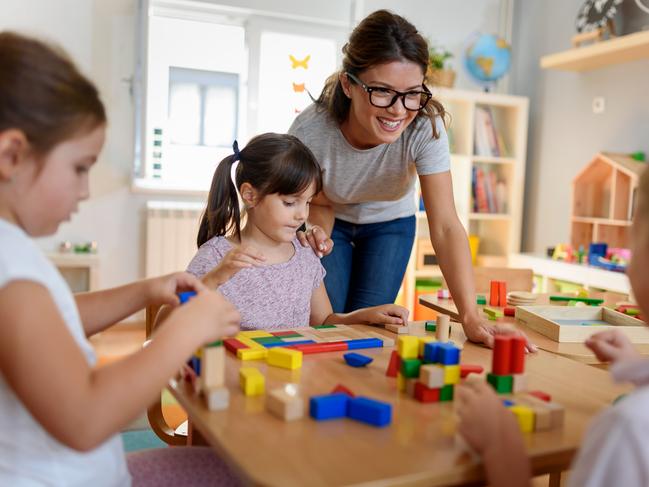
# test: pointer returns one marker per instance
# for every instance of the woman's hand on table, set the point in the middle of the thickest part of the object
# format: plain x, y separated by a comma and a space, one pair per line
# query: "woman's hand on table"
317, 239
478, 330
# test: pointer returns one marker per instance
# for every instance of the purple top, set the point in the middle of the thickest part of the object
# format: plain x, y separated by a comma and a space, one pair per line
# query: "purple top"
268, 297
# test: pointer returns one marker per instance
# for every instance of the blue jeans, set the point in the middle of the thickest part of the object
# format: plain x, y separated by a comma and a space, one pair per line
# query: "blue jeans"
368, 262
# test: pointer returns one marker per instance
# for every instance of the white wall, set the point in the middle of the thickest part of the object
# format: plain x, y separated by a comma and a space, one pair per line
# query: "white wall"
100, 36
564, 133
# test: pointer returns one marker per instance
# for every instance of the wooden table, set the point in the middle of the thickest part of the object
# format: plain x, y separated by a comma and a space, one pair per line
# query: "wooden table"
574, 351
418, 448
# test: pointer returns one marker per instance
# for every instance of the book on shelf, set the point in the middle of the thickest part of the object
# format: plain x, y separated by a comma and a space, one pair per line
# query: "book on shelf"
488, 141
489, 193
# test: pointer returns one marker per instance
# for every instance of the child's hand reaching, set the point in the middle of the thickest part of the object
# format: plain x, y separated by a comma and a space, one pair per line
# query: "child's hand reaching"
165, 289
611, 346
241, 257
386, 314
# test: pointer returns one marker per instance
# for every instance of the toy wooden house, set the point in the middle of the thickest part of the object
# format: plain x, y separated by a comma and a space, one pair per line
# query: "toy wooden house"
603, 200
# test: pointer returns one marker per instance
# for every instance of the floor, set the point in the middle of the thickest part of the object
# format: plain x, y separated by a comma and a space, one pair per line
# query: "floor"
118, 341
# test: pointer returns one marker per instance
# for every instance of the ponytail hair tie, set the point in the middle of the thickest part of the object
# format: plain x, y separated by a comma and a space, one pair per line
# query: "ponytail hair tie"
235, 149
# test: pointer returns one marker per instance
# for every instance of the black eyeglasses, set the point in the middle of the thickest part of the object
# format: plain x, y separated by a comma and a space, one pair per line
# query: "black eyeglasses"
385, 97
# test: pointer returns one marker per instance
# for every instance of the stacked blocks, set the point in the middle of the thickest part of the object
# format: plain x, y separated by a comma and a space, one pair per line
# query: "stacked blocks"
340, 405
426, 369
534, 414
212, 376
508, 364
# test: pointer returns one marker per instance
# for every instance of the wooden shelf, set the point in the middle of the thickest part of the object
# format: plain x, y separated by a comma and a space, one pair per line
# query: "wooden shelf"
622, 49
602, 221
489, 216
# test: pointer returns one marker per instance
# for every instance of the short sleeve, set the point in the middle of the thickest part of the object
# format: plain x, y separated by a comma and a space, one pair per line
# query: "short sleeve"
207, 257
431, 155
319, 276
613, 453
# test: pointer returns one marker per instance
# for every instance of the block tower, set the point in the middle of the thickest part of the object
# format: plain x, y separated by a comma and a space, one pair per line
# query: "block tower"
508, 364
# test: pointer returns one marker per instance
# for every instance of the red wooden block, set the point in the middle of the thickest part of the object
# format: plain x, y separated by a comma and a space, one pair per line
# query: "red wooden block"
343, 389
466, 369
501, 358
232, 345
502, 293
544, 396
509, 311
394, 365
517, 361
283, 333
493, 295
426, 394
320, 347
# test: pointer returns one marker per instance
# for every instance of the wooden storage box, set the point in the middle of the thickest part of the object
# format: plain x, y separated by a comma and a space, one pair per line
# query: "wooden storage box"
575, 324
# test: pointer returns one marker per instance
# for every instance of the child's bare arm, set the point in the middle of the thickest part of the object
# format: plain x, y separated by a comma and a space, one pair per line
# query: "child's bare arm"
80, 406
101, 309
320, 306
490, 430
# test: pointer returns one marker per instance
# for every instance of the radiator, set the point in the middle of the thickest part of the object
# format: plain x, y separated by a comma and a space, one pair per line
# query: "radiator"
171, 229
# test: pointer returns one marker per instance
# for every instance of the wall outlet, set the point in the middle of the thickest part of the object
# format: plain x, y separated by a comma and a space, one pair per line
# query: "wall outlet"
599, 104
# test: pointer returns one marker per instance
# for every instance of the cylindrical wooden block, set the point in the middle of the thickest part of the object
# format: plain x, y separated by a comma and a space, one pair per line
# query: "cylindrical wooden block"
517, 360
501, 360
443, 328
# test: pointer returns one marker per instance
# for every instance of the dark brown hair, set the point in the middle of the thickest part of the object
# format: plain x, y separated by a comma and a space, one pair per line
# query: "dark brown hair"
380, 38
43, 94
270, 163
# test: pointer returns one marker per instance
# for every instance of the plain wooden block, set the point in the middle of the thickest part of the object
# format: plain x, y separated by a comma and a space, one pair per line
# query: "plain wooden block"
443, 329
432, 376
288, 407
398, 329
387, 341
213, 367
519, 383
217, 398
410, 387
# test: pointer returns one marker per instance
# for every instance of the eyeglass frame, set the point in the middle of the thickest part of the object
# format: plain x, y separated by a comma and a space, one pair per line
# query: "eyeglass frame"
399, 94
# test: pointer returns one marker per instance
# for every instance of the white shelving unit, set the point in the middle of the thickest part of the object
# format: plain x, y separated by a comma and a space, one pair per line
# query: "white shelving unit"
81, 271
499, 233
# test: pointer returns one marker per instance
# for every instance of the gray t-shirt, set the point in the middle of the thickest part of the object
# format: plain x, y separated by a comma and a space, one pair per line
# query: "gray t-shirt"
377, 184
268, 297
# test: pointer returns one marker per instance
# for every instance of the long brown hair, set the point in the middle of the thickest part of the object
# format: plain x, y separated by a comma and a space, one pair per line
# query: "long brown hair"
270, 163
43, 94
380, 38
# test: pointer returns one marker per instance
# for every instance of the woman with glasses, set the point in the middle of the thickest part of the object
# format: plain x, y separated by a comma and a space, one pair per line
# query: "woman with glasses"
375, 130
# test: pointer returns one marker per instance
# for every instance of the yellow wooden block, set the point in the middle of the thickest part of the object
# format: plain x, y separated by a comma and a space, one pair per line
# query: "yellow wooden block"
525, 417
401, 382
252, 381
253, 334
285, 358
422, 343
451, 374
408, 346
250, 342
252, 353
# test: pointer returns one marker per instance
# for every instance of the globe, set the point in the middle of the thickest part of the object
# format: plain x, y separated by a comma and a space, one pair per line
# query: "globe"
487, 58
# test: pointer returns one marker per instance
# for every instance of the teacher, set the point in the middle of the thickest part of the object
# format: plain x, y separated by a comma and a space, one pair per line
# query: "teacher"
375, 129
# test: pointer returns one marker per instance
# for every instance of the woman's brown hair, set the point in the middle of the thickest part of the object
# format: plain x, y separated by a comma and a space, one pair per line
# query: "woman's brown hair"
43, 94
380, 38
270, 163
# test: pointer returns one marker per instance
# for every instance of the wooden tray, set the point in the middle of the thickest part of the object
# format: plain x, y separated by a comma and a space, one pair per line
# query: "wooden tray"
575, 324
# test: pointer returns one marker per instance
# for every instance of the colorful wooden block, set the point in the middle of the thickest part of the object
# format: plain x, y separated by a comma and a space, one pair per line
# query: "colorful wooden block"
451, 374
408, 347
252, 353
359, 343
253, 334
503, 384
285, 334
285, 404
401, 382
268, 340
430, 352
492, 312
310, 348
387, 341
357, 359
494, 297
343, 389
232, 345
509, 311
394, 365
501, 357
285, 358
252, 381
432, 376
446, 393
466, 369
430, 326
448, 354
517, 360
502, 293
481, 300
410, 367
369, 411
328, 406
422, 343
525, 417
544, 396
426, 394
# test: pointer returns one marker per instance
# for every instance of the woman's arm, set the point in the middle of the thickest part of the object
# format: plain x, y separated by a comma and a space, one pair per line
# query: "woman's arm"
40, 361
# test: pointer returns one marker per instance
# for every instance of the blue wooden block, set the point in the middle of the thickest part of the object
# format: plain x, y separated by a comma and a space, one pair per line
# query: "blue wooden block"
328, 406
364, 343
195, 364
430, 352
287, 344
448, 354
357, 360
507, 403
369, 411
186, 296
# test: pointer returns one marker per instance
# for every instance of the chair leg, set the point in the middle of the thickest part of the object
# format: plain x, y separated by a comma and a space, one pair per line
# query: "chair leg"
161, 428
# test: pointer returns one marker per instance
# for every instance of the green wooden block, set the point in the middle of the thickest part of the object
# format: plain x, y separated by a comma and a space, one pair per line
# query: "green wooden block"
481, 300
318, 327
446, 393
503, 384
265, 340
591, 301
498, 313
632, 311
217, 343
410, 367
431, 326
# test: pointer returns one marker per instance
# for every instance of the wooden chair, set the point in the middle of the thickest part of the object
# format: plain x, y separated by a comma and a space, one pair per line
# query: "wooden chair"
154, 414
516, 279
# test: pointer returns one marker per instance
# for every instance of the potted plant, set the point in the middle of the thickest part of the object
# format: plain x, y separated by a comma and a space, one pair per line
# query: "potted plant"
439, 72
